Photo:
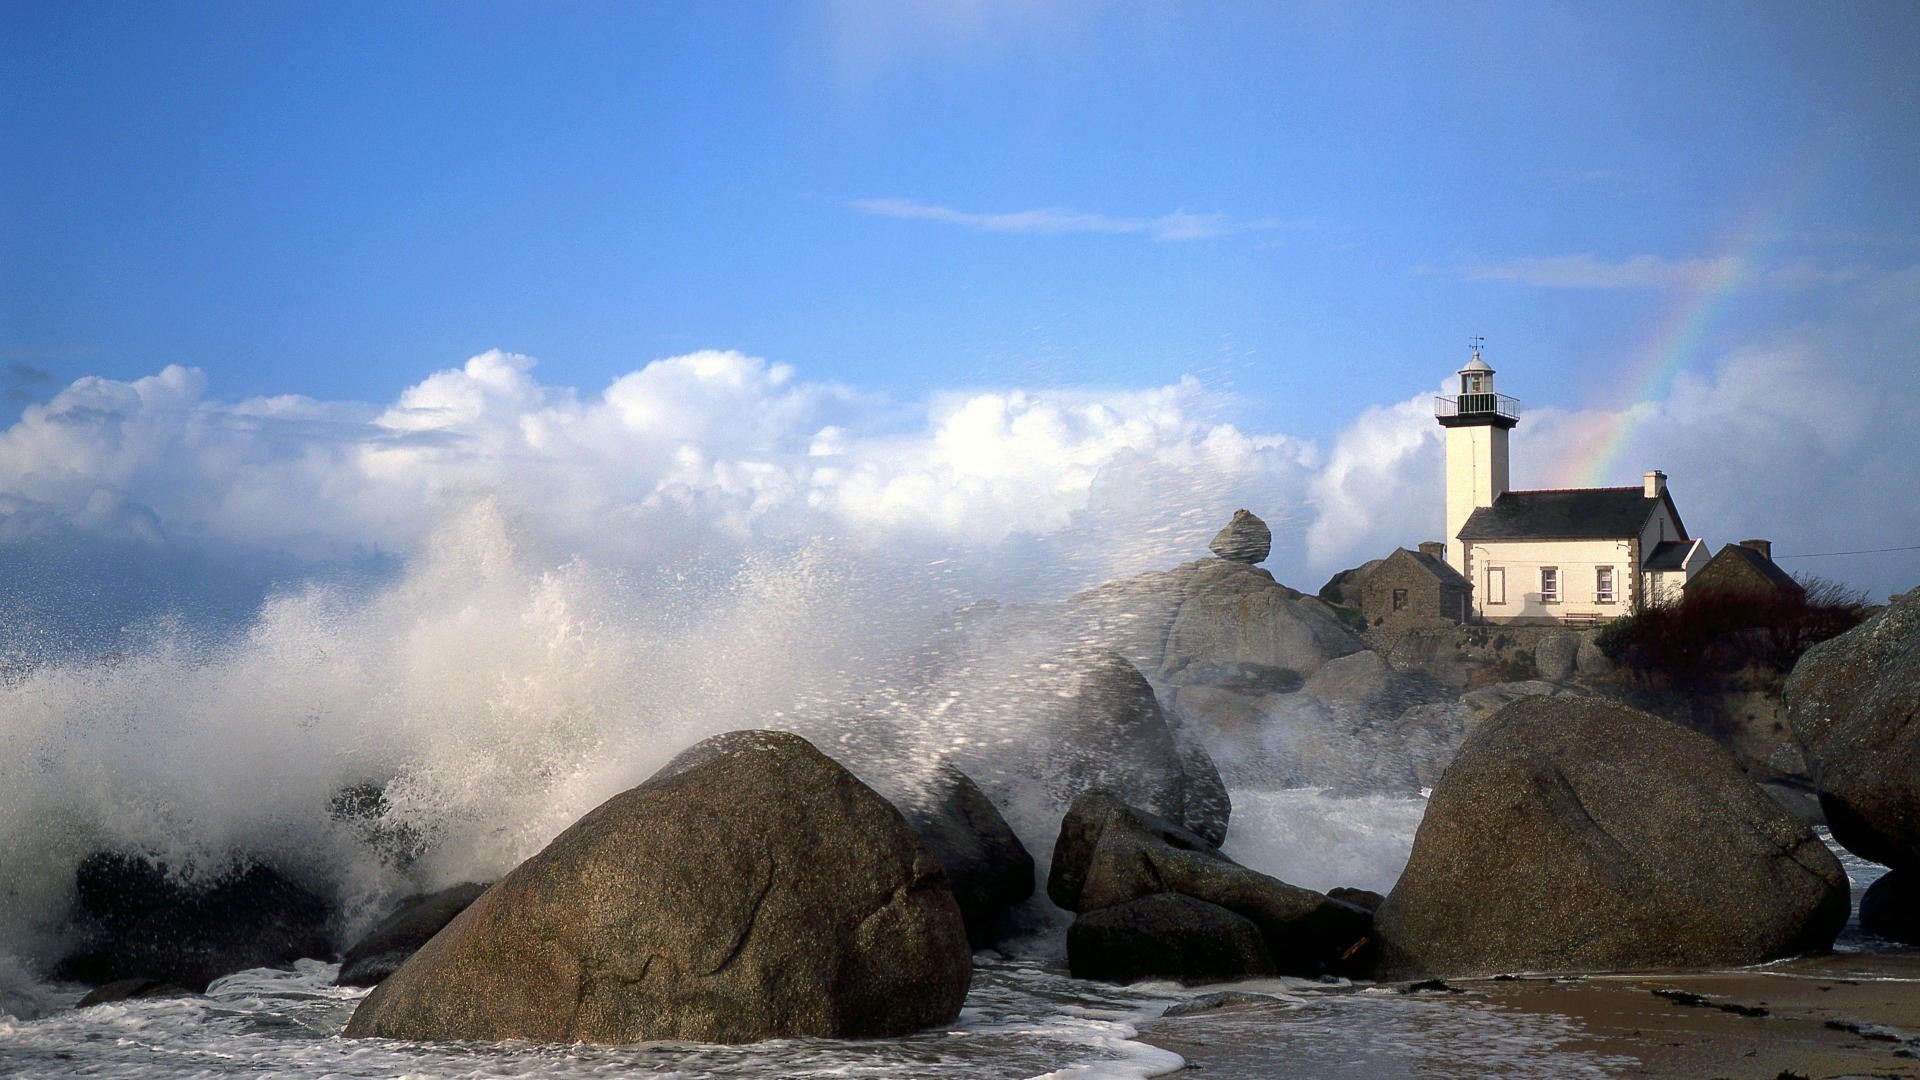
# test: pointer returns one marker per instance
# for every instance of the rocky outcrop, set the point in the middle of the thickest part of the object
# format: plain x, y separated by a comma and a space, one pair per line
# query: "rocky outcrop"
412, 924
1235, 613
1580, 835
1112, 856
151, 922
1244, 539
988, 868
1186, 624
1854, 705
751, 889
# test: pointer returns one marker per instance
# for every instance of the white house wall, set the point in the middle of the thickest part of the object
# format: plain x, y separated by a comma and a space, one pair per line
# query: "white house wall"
1660, 527
1666, 586
1577, 563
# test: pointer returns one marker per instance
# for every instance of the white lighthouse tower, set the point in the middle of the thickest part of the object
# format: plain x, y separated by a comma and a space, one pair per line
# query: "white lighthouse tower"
1477, 421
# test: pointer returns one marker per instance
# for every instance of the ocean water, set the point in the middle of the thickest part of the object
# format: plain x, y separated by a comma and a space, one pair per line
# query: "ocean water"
493, 691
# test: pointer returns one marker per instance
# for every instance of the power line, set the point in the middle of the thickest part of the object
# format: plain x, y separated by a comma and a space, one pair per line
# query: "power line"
1867, 551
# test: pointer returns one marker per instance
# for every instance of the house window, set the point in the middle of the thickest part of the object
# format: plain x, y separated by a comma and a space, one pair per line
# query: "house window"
1399, 599
1496, 585
1549, 584
1603, 584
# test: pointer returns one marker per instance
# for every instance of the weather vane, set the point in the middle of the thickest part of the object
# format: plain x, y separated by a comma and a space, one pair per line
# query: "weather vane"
1476, 341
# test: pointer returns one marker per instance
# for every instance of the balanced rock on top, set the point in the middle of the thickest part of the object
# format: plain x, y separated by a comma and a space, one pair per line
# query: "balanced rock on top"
1245, 539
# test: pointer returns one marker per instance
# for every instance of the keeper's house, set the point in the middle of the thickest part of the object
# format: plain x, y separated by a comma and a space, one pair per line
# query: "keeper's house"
1578, 556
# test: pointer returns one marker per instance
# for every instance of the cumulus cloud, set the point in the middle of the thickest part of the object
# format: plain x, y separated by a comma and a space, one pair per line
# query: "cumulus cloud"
1043, 490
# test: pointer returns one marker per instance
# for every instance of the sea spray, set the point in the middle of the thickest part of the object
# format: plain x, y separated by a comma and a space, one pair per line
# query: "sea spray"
439, 728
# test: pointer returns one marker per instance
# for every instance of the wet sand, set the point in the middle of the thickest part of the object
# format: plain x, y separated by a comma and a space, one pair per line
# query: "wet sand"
1841, 1015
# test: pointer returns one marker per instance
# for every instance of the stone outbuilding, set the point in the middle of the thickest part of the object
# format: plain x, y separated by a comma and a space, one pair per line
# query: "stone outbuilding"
1415, 588
1746, 568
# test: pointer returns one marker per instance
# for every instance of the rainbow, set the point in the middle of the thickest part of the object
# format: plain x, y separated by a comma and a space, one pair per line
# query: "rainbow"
1681, 333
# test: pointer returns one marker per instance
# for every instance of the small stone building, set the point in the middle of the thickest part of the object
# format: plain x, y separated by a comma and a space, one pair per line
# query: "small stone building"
1746, 568
1415, 588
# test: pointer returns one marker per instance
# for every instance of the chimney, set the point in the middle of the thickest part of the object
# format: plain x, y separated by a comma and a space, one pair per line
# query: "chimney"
1764, 547
1433, 549
1654, 482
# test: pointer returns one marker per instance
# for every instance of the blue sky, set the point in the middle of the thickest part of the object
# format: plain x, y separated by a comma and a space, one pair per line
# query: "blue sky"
1687, 231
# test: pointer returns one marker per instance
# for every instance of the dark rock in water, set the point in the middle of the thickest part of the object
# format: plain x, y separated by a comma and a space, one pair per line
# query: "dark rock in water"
988, 868
1166, 936
1110, 854
1245, 539
151, 924
1579, 835
1854, 703
1891, 907
1225, 999
417, 918
752, 889
130, 990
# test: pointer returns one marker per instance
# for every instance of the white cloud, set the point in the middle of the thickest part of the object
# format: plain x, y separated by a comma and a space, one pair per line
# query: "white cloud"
718, 451
1180, 224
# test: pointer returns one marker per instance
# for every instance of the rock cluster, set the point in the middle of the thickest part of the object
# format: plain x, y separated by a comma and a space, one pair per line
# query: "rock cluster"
751, 889
1156, 901
1579, 835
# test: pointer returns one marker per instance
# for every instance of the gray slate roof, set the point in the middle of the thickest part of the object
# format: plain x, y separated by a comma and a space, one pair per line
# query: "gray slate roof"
1668, 555
1447, 575
1573, 514
1767, 569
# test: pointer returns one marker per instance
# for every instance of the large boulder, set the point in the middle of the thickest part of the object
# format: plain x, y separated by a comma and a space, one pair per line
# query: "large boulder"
1111, 855
412, 924
988, 867
1244, 539
1090, 721
751, 889
1854, 704
1580, 835
150, 921
1556, 656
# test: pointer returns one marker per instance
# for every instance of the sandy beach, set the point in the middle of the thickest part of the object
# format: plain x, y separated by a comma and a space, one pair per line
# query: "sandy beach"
1839, 1015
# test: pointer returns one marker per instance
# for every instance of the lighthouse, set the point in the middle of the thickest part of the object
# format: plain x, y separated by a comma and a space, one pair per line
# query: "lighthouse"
1476, 420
